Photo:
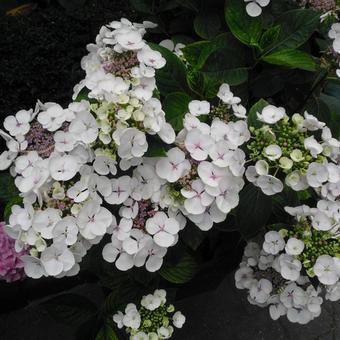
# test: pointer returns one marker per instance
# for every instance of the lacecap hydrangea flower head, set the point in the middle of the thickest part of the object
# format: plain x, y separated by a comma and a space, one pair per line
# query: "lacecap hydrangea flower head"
280, 274
199, 179
154, 319
298, 151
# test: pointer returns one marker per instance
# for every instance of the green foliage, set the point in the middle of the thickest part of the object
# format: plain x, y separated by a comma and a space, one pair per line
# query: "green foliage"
245, 28
252, 114
172, 77
107, 333
175, 105
291, 58
296, 27
72, 309
182, 272
207, 24
253, 211
8, 190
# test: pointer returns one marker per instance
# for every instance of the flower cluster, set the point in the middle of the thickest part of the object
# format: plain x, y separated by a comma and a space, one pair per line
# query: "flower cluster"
120, 80
48, 150
289, 149
204, 171
334, 34
199, 179
153, 320
11, 266
279, 275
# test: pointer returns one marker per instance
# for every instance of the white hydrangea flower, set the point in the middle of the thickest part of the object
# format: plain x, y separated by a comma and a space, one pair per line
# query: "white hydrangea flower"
18, 124
326, 270
199, 108
294, 246
254, 7
260, 291
178, 319
273, 243
198, 144
271, 114
163, 229
174, 166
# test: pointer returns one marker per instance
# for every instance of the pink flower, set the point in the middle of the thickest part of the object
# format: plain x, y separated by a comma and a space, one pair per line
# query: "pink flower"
11, 267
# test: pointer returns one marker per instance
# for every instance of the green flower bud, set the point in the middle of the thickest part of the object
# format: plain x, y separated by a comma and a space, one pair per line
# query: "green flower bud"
285, 163
165, 321
297, 119
170, 309
147, 323
296, 155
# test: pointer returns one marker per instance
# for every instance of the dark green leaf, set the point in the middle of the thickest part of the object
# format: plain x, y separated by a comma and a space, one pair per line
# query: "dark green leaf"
253, 211
182, 272
155, 149
192, 236
172, 77
296, 27
245, 28
292, 58
8, 190
207, 24
270, 36
83, 94
233, 77
333, 104
252, 115
106, 333
175, 106
143, 6
223, 52
189, 4
8, 207
71, 308
193, 51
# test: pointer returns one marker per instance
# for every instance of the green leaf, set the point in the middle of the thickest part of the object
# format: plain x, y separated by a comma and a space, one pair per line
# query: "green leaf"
175, 105
143, 6
270, 36
106, 333
193, 51
224, 51
245, 28
83, 94
172, 77
333, 104
221, 60
192, 236
182, 272
253, 211
155, 151
296, 27
252, 115
72, 309
207, 24
233, 77
8, 208
189, 4
8, 190
292, 58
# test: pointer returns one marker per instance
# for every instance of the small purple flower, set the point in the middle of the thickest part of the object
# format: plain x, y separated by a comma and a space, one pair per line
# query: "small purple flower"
11, 267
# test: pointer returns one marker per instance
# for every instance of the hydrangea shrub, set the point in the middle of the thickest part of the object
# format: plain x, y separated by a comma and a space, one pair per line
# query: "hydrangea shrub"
168, 147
